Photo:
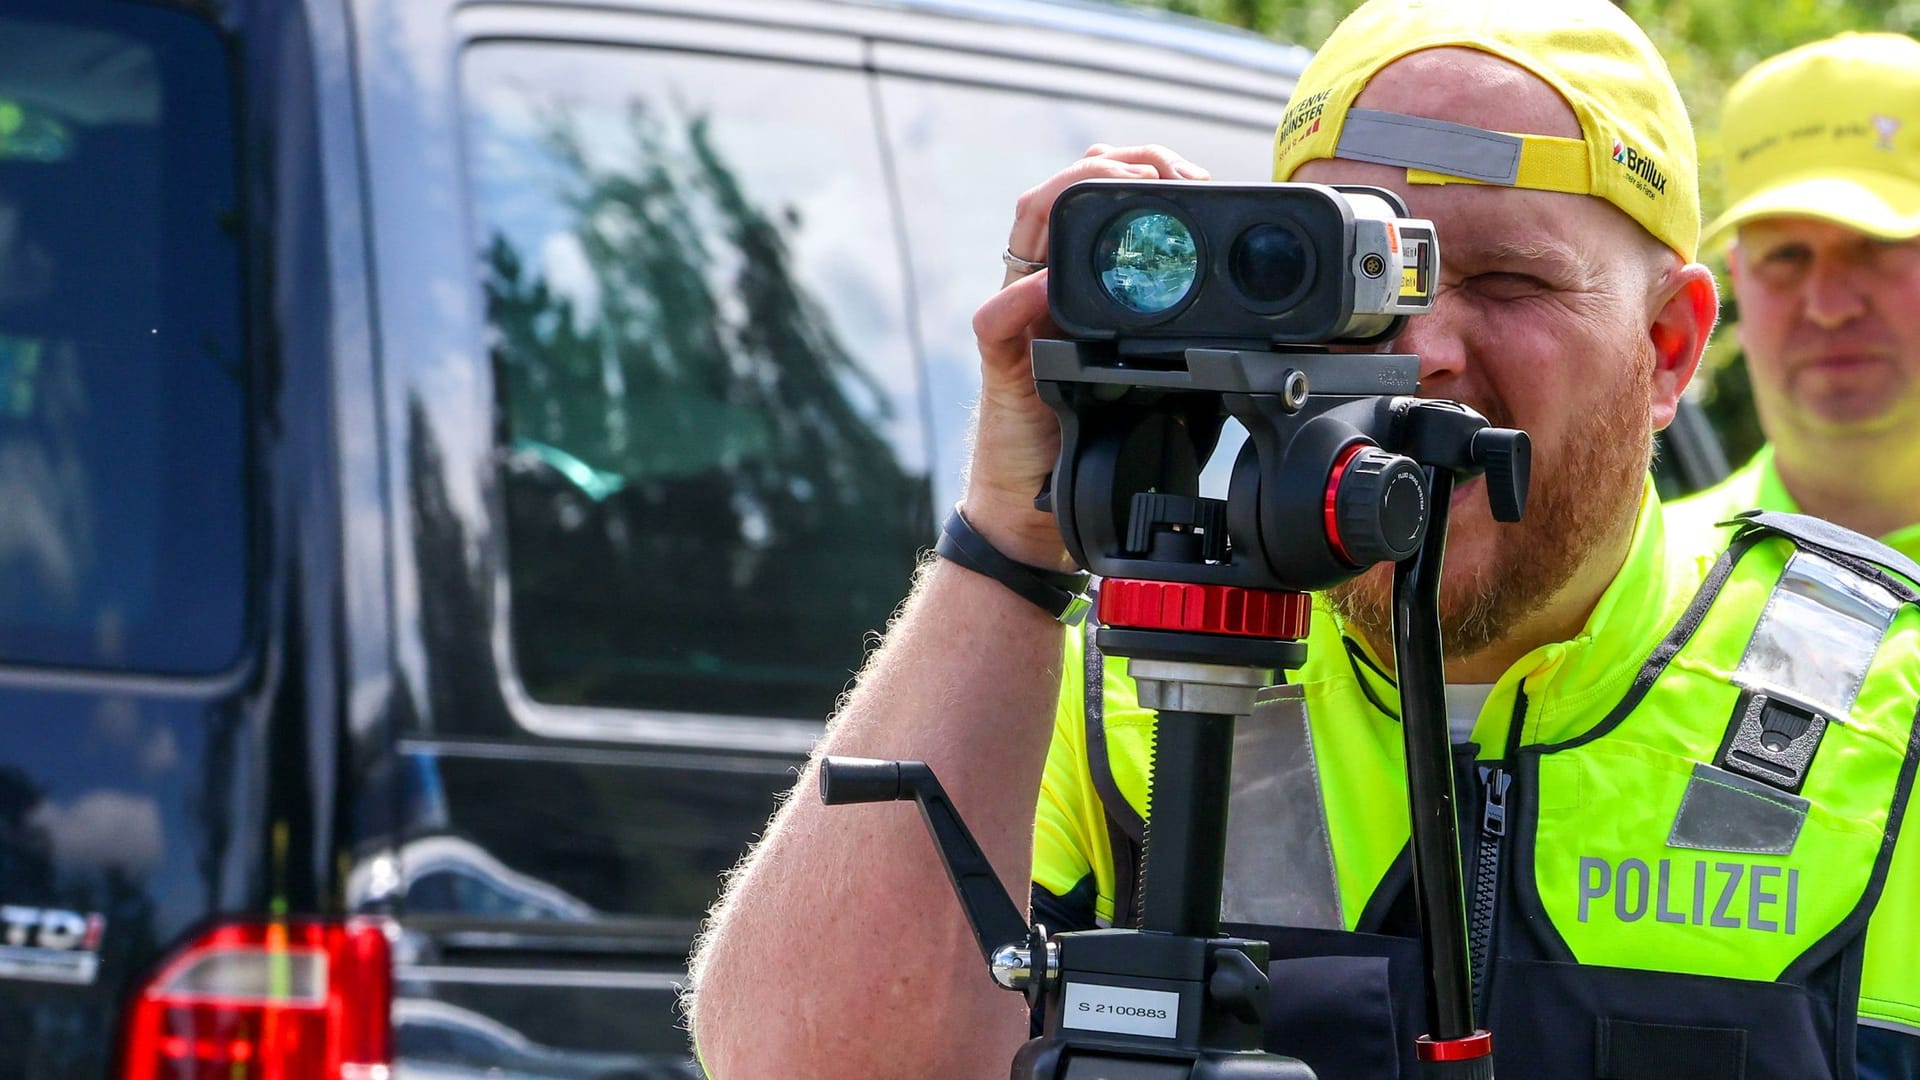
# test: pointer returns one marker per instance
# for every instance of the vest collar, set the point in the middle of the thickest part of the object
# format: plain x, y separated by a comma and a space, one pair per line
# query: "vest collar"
1569, 685
1762, 476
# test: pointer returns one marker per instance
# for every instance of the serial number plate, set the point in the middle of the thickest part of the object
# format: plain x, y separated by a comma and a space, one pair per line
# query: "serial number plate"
1121, 1010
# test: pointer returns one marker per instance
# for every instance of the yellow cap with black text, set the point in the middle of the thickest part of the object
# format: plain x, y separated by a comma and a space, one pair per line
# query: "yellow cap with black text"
1829, 130
1636, 149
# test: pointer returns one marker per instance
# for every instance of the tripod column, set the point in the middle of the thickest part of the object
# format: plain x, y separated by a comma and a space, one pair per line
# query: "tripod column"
1188, 824
1187, 820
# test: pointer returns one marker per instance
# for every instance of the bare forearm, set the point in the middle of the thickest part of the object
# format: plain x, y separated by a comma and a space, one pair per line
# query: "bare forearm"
840, 949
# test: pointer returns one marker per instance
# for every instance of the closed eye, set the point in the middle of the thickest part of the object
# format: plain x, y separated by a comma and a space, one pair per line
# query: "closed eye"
1508, 286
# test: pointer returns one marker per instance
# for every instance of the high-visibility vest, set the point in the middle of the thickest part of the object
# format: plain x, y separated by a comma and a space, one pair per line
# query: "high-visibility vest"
1682, 864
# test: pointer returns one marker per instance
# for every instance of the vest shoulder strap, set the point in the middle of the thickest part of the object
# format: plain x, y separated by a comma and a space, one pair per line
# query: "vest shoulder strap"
1126, 829
1861, 554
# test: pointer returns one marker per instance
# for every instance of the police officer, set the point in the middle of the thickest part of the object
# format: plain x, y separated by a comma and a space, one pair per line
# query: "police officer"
1694, 768
1822, 155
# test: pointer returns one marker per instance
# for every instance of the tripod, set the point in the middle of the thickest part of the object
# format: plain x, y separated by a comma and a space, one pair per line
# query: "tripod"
1337, 477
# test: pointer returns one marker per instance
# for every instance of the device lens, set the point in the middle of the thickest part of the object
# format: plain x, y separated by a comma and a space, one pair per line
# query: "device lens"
1146, 260
1270, 263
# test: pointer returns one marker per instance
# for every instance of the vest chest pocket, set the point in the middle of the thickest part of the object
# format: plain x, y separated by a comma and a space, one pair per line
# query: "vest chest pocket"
1349, 1005
1569, 1021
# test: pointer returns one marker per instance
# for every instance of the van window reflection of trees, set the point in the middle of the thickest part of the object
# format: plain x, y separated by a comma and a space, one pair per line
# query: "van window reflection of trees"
704, 513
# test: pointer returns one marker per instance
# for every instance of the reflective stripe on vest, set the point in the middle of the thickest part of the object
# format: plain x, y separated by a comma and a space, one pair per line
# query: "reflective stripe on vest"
1819, 632
1279, 861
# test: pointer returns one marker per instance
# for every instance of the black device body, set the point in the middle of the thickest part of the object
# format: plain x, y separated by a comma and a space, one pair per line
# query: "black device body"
1263, 265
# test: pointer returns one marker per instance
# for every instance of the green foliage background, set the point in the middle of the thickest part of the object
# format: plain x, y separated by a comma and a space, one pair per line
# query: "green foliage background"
1708, 44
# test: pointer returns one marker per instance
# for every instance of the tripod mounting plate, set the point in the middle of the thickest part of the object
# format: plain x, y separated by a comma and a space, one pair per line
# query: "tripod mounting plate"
1183, 647
1251, 370
1201, 688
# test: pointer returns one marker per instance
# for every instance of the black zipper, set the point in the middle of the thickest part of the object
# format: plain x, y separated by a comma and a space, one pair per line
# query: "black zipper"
1486, 878
1496, 784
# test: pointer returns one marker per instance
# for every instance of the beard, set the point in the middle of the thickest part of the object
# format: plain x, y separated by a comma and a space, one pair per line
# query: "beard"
1497, 575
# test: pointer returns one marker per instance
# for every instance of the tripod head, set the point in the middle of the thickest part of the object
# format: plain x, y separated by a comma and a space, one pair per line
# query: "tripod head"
1177, 328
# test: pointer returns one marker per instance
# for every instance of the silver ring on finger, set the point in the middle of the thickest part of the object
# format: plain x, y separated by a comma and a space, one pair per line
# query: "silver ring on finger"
1019, 265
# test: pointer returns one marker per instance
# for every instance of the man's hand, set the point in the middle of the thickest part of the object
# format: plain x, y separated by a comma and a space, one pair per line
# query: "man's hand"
1016, 437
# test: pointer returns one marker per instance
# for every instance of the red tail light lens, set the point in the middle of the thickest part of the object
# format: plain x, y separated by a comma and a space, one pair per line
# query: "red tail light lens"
303, 1001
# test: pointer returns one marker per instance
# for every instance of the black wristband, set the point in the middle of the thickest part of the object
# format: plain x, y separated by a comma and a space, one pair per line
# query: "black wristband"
1059, 594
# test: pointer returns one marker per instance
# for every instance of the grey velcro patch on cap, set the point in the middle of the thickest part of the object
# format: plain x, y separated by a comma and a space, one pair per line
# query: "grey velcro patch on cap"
1415, 142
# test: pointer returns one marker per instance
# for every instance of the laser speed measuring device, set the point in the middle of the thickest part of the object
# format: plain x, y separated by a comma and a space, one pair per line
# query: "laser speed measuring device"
1282, 264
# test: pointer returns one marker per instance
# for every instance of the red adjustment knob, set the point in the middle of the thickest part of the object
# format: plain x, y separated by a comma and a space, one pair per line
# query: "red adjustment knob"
1204, 609
1375, 508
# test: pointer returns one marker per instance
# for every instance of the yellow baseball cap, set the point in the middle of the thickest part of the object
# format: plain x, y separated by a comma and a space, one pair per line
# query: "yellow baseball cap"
1829, 130
1637, 151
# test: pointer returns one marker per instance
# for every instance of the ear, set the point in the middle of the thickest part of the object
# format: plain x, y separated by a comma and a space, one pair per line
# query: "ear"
1737, 278
1687, 305
1736, 270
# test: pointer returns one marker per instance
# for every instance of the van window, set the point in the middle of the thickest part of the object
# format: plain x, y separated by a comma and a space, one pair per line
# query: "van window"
712, 435
122, 401
959, 202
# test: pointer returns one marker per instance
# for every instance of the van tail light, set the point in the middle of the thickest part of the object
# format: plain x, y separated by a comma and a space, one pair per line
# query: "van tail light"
269, 1001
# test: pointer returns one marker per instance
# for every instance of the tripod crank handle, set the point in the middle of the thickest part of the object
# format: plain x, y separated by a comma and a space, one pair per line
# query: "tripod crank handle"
1467, 1058
845, 780
991, 913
